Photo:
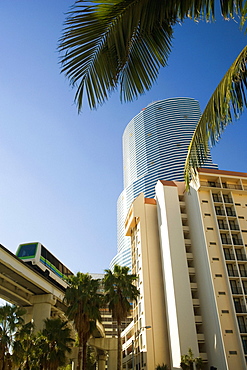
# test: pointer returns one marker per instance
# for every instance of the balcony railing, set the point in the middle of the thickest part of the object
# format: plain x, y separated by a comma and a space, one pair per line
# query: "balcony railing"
231, 186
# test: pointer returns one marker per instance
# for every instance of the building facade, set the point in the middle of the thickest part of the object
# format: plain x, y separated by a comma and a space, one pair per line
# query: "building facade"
189, 252
155, 144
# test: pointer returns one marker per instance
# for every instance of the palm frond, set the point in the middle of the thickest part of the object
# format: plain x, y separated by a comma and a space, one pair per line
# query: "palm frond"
123, 43
228, 101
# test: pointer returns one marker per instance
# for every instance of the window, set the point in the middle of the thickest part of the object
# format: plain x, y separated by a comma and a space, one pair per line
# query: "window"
225, 239
242, 270
244, 342
216, 198
228, 254
242, 324
222, 225
227, 198
231, 270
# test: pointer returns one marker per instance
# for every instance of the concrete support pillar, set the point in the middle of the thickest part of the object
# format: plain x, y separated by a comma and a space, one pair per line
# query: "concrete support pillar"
27, 317
112, 360
42, 309
101, 362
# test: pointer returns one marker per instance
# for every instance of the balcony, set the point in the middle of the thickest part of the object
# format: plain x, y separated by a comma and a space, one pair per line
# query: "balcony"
189, 256
198, 319
220, 212
236, 290
231, 186
230, 212
232, 273
229, 256
243, 273
242, 328
234, 227
226, 241
193, 286
237, 241
210, 184
217, 198
241, 257
200, 337
240, 308
227, 199
223, 226
196, 302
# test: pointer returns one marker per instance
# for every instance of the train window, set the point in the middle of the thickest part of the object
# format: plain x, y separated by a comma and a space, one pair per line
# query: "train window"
27, 250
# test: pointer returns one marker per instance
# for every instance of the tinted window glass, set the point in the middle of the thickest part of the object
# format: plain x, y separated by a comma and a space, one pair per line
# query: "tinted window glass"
27, 250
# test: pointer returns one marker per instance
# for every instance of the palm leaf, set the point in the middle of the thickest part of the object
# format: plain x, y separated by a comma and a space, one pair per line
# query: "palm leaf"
123, 43
228, 101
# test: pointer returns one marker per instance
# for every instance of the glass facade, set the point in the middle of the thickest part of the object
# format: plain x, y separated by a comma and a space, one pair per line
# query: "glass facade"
155, 144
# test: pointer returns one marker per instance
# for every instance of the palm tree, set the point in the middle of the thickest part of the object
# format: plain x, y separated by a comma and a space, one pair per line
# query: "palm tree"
10, 320
24, 347
120, 292
188, 361
123, 43
83, 300
57, 342
228, 100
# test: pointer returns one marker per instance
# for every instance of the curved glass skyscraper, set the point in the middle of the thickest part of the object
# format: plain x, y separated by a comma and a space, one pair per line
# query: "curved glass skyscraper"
155, 144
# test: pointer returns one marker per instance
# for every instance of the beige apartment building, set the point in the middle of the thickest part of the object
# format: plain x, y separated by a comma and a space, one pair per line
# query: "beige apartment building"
189, 252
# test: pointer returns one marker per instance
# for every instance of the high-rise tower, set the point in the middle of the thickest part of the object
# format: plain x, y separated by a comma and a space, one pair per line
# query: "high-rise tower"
155, 144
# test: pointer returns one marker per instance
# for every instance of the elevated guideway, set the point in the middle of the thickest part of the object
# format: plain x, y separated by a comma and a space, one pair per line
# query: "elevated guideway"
22, 285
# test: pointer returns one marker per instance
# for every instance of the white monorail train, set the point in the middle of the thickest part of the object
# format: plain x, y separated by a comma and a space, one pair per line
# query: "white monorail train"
36, 254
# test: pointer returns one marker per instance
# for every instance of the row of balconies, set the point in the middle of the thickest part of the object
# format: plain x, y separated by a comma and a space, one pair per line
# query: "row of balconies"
224, 185
193, 284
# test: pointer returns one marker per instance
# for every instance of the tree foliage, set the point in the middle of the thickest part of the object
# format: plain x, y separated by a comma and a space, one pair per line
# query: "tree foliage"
120, 292
226, 103
83, 300
10, 321
122, 44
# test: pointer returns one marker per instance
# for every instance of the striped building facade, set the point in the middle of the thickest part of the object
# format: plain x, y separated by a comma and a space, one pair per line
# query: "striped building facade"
155, 144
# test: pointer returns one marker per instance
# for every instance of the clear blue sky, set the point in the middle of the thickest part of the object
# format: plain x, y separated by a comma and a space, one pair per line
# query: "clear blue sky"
61, 173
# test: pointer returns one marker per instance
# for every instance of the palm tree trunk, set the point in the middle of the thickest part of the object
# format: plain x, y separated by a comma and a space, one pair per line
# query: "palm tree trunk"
84, 354
79, 357
119, 346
